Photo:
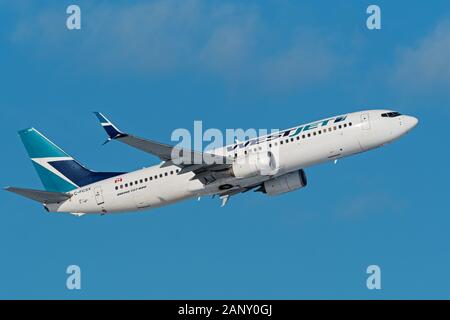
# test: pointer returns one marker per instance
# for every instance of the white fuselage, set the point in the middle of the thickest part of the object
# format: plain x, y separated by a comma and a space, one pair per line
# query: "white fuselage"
302, 147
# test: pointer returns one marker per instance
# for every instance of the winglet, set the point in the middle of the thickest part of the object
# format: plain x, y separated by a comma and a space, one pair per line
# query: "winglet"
111, 130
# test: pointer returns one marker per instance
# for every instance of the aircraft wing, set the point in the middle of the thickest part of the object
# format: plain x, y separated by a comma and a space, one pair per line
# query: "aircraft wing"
39, 195
198, 162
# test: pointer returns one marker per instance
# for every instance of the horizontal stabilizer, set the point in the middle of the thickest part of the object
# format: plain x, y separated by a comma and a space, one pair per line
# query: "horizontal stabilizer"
39, 195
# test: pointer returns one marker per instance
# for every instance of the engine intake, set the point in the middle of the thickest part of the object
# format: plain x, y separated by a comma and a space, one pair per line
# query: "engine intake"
285, 183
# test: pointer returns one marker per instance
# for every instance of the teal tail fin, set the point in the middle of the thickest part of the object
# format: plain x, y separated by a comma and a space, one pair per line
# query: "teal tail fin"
58, 171
43, 153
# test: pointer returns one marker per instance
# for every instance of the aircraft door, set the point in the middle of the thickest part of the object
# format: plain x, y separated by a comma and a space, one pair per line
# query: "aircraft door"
99, 196
365, 121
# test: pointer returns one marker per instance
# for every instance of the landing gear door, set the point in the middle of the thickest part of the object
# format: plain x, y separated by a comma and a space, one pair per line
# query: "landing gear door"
99, 196
365, 121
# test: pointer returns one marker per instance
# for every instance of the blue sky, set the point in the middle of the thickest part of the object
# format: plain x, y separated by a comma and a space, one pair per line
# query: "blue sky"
159, 65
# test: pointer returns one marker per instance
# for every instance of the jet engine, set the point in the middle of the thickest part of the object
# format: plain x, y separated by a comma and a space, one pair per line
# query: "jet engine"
254, 164
285, 183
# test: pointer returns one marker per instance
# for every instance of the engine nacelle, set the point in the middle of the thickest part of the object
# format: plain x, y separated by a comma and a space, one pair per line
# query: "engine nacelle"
254, 164
285, 183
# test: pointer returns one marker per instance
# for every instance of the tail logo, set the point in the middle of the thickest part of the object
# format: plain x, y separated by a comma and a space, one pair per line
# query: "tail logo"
45, 162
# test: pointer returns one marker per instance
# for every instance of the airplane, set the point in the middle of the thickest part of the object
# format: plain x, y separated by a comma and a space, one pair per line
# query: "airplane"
272, 164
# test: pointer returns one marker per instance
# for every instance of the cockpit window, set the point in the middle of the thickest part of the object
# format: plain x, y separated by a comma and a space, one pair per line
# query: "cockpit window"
391, 114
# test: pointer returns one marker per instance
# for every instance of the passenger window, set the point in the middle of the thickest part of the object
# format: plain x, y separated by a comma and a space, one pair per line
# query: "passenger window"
146, 179
349, 124
171, 172
270, 145
151, 178
160, 175
309, 135
141, 181
281, 142
245, 152
126, 185
156, 177
287, 140
314, 133
121, 186
340, 126
303, 136
345, 125
136, 182
298, 137
178, 170
117, 188
131, 183
320, 131
329, 129
165, 174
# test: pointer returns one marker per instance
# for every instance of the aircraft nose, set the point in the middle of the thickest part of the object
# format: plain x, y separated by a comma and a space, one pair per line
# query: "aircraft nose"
411, 122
